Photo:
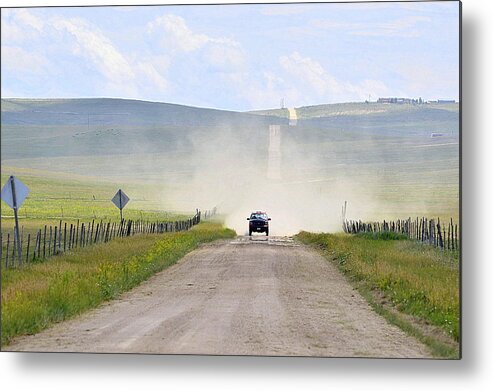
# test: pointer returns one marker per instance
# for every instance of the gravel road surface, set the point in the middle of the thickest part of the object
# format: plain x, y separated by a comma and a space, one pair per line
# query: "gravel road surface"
247, 296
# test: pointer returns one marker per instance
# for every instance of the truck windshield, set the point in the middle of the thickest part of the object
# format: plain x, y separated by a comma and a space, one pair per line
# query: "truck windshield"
262, 216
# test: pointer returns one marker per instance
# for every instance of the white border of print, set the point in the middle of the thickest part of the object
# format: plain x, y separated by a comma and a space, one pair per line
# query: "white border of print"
473, 372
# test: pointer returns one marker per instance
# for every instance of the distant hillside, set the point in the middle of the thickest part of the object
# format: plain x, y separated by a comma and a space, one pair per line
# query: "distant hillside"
368, 110
117, 112
404, 156
281, 113
41, 128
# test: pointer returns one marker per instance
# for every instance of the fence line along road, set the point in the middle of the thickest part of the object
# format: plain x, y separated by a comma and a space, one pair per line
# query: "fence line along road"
56, 239
425, 230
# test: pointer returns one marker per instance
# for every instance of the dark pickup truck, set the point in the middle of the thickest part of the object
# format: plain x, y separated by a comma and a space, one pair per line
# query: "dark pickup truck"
258, 222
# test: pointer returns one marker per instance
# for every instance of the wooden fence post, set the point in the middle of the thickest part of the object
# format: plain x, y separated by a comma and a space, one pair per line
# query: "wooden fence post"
457, 243
77, 234
65, 237
54, 240
70, 237
39, 245
35, 247
7, 252
28, 245
49, 241
22, 239
44, 243
440, 239
59, 236
90, 237
13, 256
96, 236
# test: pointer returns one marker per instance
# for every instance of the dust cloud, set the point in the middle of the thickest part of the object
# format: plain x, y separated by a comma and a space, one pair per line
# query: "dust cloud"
231, 172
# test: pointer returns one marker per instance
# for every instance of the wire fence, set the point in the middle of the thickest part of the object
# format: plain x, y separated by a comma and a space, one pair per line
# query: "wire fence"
430, 231
52, 240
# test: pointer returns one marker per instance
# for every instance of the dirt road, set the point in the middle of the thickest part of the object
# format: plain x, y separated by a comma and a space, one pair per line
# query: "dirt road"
244, 296
293, 116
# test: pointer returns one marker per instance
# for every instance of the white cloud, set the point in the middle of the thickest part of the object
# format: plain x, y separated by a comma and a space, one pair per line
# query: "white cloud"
309, 71
152, 76
16, 59
222, 53
28, 19
191, 64
299, 81
11, 32
181, 36
225, 57
125, 77
95, 46
315, 84
20, 25
64, 38
177, 32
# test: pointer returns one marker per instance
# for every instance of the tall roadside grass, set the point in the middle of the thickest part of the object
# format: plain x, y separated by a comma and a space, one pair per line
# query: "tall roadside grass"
412, 278
40, 294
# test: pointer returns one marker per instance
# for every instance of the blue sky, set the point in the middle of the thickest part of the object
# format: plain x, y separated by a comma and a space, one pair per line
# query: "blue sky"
237, 57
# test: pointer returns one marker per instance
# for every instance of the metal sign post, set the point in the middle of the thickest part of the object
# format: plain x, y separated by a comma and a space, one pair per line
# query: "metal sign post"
18, 237
14, 193
120, 199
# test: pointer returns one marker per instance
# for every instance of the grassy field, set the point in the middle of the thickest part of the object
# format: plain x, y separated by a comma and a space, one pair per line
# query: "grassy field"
412, 285
57, 196
404, 159
54, 196
355, 108
43, 293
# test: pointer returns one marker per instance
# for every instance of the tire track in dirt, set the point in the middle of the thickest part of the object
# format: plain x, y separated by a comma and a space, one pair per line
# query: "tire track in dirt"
248, 296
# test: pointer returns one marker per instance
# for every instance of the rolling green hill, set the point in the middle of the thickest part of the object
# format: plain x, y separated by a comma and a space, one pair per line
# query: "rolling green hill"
406, 157
369, 110
42, 128
108, 111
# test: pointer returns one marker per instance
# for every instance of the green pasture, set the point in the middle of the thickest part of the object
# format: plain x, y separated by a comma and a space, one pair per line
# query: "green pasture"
56, 197
67, 197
